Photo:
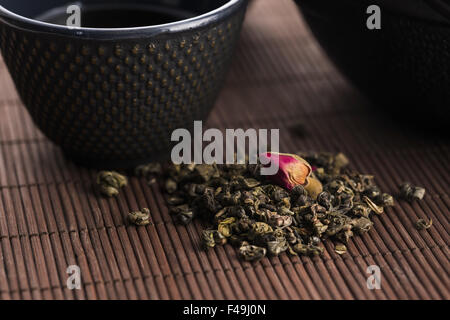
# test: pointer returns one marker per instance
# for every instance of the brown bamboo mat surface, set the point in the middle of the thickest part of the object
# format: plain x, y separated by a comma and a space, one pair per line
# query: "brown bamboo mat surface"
51, 216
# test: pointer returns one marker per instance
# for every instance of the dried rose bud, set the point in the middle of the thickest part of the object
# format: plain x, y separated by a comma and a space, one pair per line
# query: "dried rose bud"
293, 170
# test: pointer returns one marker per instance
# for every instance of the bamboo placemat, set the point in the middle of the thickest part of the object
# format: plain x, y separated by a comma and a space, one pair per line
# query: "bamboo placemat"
52, 217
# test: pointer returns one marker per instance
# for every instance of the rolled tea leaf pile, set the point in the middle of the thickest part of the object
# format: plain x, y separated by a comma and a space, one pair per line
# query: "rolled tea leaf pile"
260, 218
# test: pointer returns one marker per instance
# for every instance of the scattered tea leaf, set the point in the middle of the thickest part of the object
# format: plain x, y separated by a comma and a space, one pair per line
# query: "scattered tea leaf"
421, 224
225, 226
140, 218
251, 253
340, 248
410, 192
211, 238
110, 183
313, 187
373, 206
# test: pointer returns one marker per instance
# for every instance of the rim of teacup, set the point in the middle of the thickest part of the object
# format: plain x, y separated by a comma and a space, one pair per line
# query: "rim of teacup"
120, 33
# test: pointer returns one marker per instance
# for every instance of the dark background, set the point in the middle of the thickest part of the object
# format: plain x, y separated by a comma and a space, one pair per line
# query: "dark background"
51, 216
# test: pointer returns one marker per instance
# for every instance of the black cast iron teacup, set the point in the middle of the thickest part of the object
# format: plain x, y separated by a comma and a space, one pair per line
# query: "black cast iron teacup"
111, 97
404, 66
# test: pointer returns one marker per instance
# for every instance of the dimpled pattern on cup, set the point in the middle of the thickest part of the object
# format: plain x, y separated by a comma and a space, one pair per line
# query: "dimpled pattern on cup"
116, 103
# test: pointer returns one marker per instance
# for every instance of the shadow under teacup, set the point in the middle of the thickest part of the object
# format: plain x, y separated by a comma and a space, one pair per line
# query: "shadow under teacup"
109, 81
